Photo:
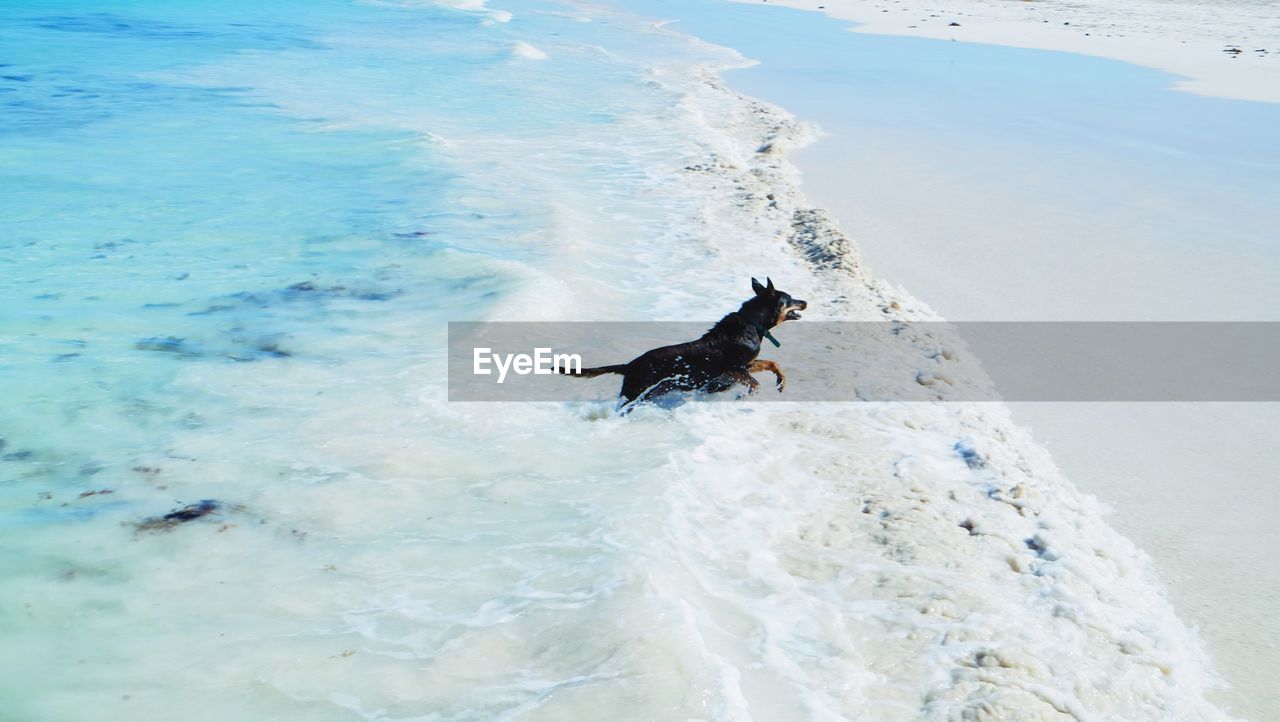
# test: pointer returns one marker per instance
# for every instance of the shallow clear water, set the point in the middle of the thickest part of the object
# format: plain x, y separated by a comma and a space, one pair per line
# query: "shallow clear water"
233, 236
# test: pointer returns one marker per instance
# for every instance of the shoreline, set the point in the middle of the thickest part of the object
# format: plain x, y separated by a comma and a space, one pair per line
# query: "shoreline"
1235, 57
831, 255
1232, 647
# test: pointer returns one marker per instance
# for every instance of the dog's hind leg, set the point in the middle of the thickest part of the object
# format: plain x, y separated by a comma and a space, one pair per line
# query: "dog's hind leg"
767, 365
741, 376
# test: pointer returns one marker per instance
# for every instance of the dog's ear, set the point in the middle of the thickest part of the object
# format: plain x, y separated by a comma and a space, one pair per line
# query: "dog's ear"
759, 289
770, 282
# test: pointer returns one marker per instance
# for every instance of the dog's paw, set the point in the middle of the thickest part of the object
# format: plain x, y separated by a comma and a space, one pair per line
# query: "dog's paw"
781, 383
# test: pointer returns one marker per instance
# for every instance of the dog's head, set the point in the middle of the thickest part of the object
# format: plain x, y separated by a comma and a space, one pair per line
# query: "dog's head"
780, 306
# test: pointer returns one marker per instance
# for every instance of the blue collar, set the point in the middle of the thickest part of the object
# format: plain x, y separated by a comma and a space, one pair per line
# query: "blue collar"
765, 333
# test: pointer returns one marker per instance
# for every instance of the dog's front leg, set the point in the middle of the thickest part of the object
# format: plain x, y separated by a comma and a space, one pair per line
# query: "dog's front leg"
767, 365
741, 376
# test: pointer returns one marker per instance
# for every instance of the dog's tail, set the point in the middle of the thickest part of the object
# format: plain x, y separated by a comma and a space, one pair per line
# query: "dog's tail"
593, 372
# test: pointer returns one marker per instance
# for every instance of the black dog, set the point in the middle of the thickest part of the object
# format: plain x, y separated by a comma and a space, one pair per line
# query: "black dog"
724, 356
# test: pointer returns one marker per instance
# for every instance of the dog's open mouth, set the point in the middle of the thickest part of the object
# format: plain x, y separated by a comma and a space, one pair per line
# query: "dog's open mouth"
792, 315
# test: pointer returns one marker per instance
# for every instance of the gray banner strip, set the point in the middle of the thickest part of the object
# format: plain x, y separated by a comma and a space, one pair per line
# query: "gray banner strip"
891, 361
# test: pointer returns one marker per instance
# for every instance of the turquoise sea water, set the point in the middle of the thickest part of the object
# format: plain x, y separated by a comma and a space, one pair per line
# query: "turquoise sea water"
232, 236
188, 188
164, 208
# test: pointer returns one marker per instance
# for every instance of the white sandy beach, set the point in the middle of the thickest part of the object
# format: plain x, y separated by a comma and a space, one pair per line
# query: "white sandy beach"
1192, 484
1196, 40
